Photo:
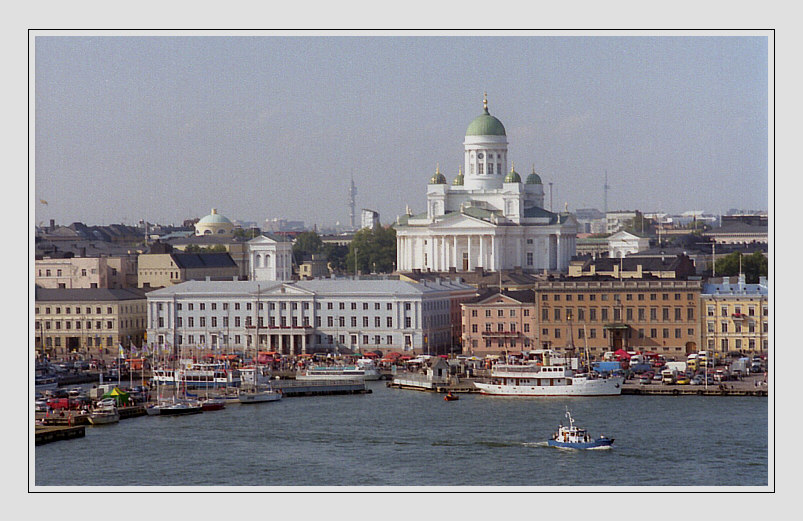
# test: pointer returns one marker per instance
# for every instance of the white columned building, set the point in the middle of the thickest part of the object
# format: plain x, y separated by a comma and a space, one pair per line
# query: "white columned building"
487, 217
270, 258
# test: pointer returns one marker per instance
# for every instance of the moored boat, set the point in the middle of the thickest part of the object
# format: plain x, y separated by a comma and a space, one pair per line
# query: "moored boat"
571, 437
174, 408
105, 412
547, 380
259, 395
334, 372
213, 404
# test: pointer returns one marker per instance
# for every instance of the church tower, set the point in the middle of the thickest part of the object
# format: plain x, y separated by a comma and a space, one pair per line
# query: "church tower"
485, 148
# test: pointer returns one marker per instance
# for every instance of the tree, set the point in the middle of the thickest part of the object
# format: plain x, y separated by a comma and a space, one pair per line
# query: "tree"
373, 250
753, 266
307, 243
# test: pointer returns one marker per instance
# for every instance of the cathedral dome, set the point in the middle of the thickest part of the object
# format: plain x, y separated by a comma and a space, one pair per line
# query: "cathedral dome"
458, 181
534, 179
485, 124
513, 177
437, 178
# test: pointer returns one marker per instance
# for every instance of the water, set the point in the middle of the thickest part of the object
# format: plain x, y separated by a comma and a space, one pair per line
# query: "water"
408, 438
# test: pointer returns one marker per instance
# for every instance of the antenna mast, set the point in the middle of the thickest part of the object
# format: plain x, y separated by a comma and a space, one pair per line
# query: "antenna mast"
605, 189
353, 203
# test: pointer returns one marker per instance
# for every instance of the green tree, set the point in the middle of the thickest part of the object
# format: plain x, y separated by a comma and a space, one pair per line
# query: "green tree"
373, 250
307, 243
753, 266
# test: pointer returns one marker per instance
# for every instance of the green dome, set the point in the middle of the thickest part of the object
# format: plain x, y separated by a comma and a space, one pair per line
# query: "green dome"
485, 124
214, 218
458, 181
534, 179
513, 177
437, 178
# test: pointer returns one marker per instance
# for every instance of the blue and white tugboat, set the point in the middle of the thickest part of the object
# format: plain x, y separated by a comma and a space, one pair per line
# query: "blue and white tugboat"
571, 437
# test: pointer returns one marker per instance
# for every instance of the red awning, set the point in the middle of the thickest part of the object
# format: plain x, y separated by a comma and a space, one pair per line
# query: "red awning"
621, 353
370, 355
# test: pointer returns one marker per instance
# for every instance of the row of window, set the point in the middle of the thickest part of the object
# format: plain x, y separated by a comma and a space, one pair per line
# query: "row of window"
737, 310
291, 305
631, 333
272, 322
501, 327
501, 312
737, 327
568, 297
99, 310
630, 313
84, 272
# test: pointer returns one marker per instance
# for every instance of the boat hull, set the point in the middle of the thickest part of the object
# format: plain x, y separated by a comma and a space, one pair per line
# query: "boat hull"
104, 419
270, 396
579, 387
600, 443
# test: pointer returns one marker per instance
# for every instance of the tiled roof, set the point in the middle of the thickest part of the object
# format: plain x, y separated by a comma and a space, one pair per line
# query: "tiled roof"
87, 294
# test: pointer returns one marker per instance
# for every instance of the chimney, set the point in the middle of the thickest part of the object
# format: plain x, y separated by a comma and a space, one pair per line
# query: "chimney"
52, 225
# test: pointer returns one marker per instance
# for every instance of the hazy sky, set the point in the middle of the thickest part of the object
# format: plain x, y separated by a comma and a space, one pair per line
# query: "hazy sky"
164, 127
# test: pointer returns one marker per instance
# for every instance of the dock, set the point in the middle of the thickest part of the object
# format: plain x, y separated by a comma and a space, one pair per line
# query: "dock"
48, 434
417, 382
692, 390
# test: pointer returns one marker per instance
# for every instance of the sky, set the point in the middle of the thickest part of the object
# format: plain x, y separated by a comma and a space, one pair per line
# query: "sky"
164, 127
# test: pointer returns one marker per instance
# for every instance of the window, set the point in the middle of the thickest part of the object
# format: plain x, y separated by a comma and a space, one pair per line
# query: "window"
529, 258
364, 321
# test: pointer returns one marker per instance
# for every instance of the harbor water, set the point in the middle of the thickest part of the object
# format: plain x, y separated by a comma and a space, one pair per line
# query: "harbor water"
402, 438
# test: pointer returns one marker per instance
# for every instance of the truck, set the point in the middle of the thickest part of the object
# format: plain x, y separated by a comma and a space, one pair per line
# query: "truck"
606, 367
668, 376
740, 367
678, 367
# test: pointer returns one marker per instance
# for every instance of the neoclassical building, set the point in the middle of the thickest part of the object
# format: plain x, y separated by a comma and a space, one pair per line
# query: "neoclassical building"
270, 258
488, 217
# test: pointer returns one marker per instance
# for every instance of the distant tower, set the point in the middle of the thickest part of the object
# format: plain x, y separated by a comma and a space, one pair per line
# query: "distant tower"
605, 189
353, 203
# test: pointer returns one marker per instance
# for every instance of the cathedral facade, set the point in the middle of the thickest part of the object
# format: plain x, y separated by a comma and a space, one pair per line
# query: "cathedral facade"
488, 217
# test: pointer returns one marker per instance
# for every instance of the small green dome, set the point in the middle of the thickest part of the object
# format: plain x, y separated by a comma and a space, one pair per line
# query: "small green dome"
214, 218
458, 181
437, 178
485, 124
534, 179
513, 177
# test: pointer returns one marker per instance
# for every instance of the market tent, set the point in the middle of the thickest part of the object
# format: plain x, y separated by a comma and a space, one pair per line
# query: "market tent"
621, 353
120, 397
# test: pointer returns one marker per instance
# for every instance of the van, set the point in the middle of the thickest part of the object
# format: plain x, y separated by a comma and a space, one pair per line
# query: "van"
667, 376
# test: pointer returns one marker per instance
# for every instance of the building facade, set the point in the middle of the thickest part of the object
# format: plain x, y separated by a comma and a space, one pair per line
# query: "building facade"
661, 316
323, 315
500, 323
158, 270
735, 316
88, 323
488, 217
270, 258
86, 272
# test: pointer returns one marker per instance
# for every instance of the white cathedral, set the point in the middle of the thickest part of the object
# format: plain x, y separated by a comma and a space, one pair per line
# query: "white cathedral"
488, 217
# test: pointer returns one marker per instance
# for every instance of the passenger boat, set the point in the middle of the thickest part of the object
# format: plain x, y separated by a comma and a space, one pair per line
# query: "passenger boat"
571, 437
547, 380
259, 395
333, 372
43, 383
104, 413
370, 371
201, 375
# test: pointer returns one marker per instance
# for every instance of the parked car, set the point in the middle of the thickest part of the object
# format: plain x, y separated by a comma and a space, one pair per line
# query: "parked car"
682, 380
644, 380
657, 377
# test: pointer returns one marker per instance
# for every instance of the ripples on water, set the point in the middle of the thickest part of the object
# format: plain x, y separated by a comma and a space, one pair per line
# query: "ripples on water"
407, 438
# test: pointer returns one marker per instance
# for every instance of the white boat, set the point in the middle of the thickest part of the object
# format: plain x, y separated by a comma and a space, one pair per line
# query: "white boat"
333, 372
259, 395
546, 380
370, 371
571, 437
198, 375
105, 412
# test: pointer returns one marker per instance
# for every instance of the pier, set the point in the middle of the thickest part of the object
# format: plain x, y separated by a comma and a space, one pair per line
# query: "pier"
291, 388
48, 434
692, 390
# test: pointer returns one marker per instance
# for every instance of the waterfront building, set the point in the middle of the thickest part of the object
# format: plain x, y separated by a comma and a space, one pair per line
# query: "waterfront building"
735, 315
88, 323
658, 315
488, 217
322, 315
500, 323
86, 272
157, 270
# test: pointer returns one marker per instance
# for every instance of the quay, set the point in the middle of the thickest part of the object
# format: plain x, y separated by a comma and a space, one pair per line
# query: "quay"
693, 390
291, 388
48, 434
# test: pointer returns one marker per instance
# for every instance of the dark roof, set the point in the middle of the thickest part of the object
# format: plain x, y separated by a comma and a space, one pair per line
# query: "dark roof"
203, 260
87, 294
523, 296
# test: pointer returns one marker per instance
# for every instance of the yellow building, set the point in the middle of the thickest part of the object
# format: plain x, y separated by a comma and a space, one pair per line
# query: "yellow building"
735, 316
88, 323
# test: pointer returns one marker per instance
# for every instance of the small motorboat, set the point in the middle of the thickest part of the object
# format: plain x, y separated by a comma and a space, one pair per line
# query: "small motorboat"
571, 437
451, 397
